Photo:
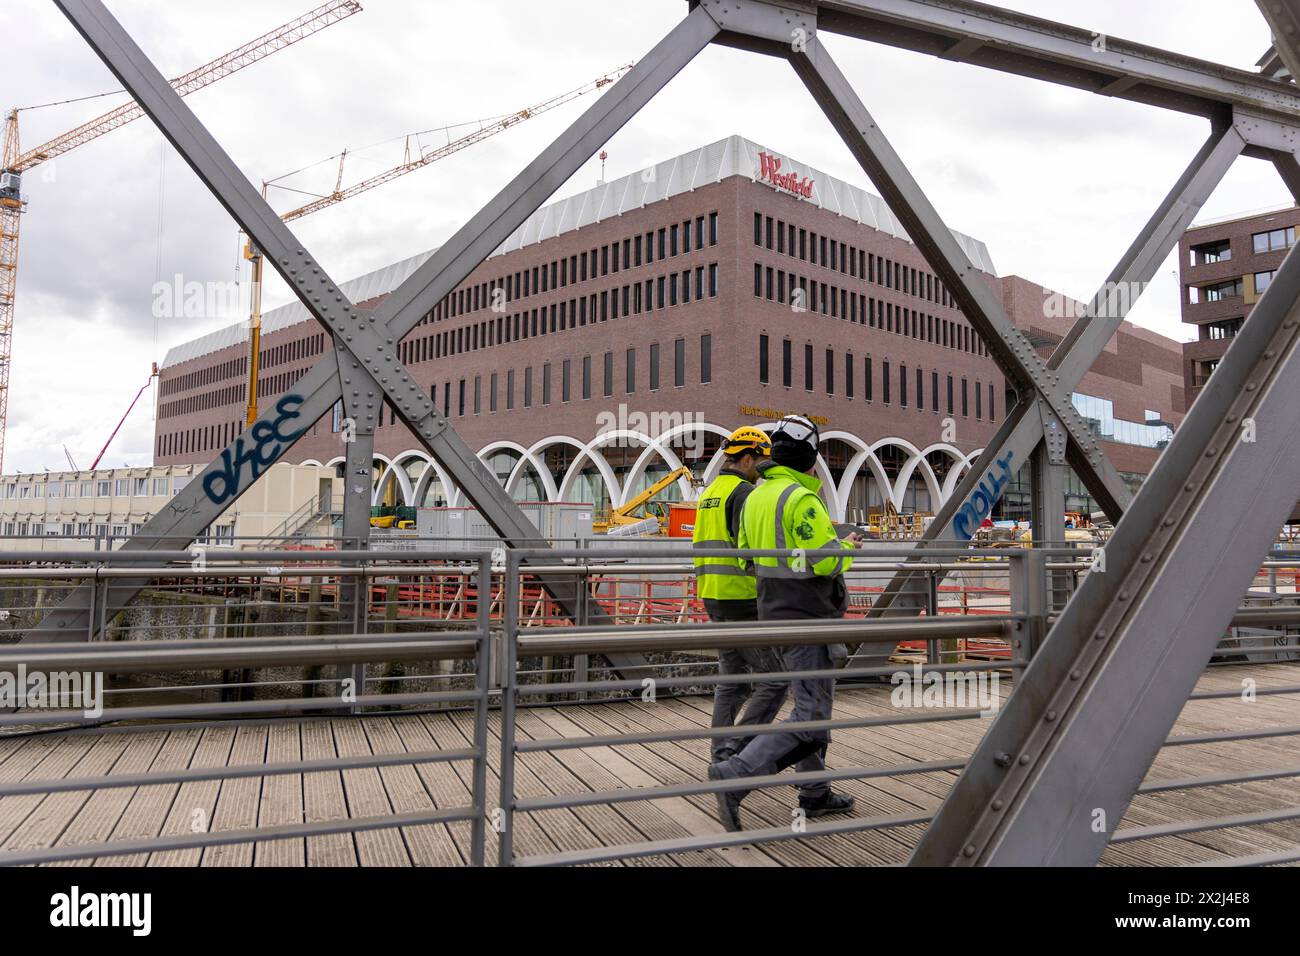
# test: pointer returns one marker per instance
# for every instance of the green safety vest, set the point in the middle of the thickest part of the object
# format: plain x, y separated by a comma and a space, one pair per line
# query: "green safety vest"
785, 512
719, 579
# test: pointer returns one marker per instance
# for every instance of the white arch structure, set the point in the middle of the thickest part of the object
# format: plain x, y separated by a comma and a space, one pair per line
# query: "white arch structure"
657, 449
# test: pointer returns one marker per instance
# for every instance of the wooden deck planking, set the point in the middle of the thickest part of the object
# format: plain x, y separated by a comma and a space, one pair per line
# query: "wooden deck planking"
603, 768
323, 798
430, 844
150, 806
55, 813
99, 816
535, 775
35, 758
238, 799
81, 817
192, 808
281, 800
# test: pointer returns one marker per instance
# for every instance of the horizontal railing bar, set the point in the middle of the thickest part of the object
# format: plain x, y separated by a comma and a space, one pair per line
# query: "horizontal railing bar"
627, 794
629, 851
190, 841
137, 656
214, 555
762, 634
1199, 826
1220, 736
1218, 780
549, 744
631, 551
1257, 692
689, 569
190, 688
754, 678
1257, 859
170, 711
238, 771
259, 572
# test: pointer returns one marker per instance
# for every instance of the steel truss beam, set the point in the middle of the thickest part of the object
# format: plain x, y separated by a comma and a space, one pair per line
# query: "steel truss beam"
936, 242
365, 369
1027, 424
1012, 42
1099, 697
1057, 770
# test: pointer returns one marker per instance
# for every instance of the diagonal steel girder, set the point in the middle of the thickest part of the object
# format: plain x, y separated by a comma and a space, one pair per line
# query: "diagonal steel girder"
1056, 771
1023, 430
366, 368
1022, 364
1284, 20
792, 34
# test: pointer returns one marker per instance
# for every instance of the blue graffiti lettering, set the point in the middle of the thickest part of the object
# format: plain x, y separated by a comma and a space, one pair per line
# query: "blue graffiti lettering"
269, 439
982, 499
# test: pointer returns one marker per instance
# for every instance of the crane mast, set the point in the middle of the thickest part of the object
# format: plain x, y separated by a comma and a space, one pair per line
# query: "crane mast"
11, 209
16, 162
407, 165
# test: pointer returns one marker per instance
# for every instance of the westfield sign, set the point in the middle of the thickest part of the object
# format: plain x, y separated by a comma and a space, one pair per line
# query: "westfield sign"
769, 170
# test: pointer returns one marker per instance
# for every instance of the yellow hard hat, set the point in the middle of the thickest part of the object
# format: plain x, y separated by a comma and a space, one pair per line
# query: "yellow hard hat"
748, 438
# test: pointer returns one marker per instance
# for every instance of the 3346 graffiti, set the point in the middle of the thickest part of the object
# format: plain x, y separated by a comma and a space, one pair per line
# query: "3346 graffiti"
268, 440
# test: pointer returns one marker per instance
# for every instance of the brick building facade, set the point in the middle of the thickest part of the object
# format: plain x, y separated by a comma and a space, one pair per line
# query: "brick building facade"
623, 331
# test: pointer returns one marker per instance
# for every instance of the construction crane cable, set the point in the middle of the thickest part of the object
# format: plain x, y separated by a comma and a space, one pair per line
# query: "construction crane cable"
75, 99
480, 123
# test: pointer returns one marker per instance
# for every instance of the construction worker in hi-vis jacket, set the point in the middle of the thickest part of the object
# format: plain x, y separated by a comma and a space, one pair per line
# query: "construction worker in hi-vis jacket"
727, 588
784, 512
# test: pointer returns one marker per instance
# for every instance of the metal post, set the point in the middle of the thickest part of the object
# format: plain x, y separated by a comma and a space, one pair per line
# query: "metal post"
482, 668
1048, 499
932, 654
1027, 581
511, 589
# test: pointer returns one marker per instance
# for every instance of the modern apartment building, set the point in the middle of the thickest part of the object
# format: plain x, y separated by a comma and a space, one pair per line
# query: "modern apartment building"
621, 332
1224, 268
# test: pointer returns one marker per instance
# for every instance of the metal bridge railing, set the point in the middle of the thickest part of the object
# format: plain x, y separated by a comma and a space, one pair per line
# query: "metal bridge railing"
152, 670
314, 635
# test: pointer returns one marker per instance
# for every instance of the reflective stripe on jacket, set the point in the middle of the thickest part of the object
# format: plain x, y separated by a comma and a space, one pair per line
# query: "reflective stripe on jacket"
721, 579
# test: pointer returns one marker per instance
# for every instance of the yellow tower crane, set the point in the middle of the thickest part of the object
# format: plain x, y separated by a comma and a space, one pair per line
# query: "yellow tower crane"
16, 162
486, 128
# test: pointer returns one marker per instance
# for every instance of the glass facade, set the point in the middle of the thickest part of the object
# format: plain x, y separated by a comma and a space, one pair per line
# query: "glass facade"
1100, 413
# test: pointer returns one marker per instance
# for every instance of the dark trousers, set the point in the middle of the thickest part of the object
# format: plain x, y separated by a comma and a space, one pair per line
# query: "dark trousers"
761, 701
805, 750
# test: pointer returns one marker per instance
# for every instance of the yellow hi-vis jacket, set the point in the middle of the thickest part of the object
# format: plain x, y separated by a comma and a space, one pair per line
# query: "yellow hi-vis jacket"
721, 579
785, 512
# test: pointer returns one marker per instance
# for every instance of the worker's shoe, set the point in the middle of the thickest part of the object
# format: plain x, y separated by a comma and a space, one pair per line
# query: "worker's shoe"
831, 803
728, 800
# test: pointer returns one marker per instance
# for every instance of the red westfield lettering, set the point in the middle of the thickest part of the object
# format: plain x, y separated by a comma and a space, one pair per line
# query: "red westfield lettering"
769, 170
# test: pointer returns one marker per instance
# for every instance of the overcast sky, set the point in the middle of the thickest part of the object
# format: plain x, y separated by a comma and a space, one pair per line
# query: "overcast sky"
1056, 182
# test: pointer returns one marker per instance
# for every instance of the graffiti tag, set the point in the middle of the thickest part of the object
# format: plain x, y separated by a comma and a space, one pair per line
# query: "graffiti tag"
268, 441
982, 499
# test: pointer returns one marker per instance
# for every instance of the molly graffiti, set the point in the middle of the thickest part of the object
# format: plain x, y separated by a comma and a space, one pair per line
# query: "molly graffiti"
981, 501
268, 441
